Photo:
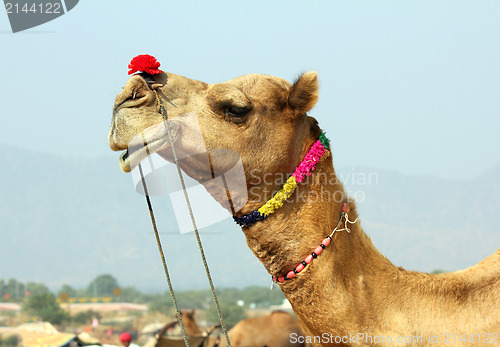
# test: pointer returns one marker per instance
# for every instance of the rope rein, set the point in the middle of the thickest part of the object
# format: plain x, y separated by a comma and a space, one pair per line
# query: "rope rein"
162, 255
161, 109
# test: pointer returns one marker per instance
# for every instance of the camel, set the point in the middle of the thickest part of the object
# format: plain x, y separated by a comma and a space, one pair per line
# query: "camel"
272, 330
189, 322
350, 294
195, 336
190, 325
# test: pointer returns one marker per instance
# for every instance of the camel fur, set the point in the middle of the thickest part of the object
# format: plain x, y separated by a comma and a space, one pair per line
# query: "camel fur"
351, 295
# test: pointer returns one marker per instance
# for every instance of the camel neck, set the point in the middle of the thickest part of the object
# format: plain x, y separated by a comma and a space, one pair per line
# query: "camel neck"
347, 288
305, 219
284, 239
305, 168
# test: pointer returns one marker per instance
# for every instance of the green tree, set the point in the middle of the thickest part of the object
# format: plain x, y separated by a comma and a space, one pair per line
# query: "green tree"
45, 307
36, 288
18, 290
130, 294
67, 289
102, 285
262, 296
194, 298
231, 312
13, 288
2, 289
161, 303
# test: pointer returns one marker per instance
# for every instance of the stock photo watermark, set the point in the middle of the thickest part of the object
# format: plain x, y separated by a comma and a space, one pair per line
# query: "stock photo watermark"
354, 183
29, 14
215, 180
364, 339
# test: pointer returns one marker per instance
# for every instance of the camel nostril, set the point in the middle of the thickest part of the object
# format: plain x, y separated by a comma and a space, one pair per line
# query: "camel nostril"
136, 94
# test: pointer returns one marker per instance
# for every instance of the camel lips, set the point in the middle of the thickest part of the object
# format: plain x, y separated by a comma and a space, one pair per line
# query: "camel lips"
131, 151
140, 147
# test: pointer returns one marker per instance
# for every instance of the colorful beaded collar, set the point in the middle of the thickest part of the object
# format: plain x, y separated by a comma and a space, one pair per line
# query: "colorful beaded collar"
304, 169
317, 251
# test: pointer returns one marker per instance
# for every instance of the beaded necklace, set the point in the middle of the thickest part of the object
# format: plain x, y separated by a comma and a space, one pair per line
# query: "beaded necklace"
317, 251
304, 169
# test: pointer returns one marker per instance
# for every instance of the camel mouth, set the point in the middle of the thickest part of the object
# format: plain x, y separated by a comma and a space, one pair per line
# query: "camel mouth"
145, 143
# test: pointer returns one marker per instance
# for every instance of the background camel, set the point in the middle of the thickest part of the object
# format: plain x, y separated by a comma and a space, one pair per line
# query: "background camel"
351, 294
273, 330
167, 338
190, 325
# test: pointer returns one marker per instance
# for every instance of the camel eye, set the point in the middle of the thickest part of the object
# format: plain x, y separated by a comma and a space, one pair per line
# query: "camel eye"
236, 111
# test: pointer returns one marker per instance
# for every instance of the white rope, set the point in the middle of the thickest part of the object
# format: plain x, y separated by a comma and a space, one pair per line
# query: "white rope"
344, 217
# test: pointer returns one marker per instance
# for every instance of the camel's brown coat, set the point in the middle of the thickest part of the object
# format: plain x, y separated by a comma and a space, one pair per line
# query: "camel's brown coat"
277, 329
190, 325
351, 289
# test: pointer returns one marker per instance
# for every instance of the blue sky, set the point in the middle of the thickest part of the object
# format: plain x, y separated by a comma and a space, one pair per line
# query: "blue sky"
408, 86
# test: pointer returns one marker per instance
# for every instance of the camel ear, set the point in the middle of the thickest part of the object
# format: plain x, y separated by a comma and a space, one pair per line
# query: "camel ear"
304, 93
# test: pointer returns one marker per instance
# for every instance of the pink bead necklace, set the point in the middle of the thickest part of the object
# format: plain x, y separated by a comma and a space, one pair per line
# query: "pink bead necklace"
317, 251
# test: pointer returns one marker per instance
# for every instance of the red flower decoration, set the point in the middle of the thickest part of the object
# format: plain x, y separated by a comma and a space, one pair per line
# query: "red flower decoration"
146, 63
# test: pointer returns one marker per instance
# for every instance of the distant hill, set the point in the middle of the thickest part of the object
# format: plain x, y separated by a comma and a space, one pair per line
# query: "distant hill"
66, 220
425, 222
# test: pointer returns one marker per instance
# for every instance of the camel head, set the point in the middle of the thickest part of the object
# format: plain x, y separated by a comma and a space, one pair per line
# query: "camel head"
258, 119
